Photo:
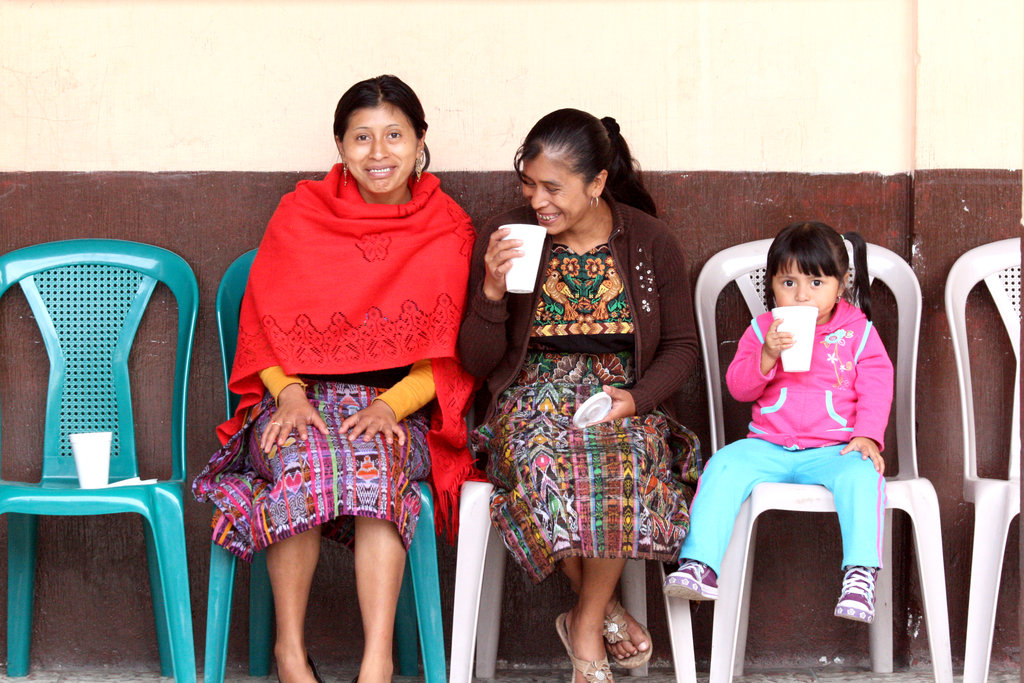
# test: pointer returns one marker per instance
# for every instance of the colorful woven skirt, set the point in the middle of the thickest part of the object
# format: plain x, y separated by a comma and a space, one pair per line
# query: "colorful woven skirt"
613, 490
326, 481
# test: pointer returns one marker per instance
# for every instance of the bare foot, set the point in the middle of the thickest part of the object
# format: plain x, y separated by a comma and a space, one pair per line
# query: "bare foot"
637, 641
292, 667
375, 672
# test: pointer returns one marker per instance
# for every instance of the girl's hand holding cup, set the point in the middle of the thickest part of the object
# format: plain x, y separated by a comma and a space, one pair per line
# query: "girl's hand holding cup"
775, 342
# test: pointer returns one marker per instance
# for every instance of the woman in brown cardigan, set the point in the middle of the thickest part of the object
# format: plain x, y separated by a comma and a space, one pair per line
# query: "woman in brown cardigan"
611, 313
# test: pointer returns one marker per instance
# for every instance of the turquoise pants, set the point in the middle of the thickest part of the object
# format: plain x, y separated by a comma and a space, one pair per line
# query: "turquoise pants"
733, 471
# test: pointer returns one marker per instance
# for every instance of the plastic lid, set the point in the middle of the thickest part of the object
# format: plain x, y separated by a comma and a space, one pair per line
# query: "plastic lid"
592, 410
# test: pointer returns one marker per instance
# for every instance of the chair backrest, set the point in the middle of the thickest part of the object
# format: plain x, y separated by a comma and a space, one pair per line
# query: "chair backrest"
998, 265
88, 297
744, 264
229, 301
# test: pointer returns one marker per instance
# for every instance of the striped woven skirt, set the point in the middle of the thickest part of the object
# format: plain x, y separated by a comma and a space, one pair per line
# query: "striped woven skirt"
326, 481
613, 490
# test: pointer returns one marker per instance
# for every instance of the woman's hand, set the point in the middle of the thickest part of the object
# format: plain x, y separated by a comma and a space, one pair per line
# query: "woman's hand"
294, 412
498, 261
775, 343
623, 404
868, 449
376, 418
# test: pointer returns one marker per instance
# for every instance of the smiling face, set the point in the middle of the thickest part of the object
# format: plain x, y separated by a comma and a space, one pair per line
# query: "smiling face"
793, 288
379, 148
564, 202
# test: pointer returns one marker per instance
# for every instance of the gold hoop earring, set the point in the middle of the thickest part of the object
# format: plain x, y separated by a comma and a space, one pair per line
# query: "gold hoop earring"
421, 161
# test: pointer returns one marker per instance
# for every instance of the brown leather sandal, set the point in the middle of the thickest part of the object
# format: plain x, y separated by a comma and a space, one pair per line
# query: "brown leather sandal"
615, 631
596, 671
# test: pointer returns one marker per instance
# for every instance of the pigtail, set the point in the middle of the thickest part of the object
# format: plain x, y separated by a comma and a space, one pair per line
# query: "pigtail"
858, 288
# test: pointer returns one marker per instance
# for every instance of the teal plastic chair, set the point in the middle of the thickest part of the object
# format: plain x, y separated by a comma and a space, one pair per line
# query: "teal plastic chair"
88, 297
419, 604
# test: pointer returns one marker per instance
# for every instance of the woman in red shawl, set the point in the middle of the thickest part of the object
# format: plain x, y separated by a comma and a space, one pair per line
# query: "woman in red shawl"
346, 367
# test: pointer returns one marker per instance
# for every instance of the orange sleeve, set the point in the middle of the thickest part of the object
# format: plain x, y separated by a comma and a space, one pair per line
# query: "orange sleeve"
275, 380
414, 391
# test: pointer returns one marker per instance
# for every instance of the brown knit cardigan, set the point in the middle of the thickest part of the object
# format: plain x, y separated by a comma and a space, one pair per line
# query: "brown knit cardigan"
494, 334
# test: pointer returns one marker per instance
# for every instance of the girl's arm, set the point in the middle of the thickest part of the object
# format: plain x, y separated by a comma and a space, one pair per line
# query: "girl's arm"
744, 378
874, 390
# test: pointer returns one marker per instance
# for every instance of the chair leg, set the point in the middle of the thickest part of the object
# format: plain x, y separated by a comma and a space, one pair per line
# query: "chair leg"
489, 624
680, 633
406, 635
992, 517
633, 585
156, 592
21, 571
261, 617
470, 568
728, 634
218, 613
744, 621
427, 591
880, 630
169, 549
930, 567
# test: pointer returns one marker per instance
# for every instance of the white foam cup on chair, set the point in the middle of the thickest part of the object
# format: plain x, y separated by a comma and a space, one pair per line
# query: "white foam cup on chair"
798, 321
523, 275
92, 458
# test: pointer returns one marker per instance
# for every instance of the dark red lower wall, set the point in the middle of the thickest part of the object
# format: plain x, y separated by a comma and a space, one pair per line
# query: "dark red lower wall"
93, 604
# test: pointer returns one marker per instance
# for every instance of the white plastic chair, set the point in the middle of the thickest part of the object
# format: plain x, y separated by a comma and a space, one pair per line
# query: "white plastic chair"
744, 264
479, 577
996, 501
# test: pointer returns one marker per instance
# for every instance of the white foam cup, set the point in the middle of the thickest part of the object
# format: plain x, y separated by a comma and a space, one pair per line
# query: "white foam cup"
594, 409
523, 275
92, 458
798, 321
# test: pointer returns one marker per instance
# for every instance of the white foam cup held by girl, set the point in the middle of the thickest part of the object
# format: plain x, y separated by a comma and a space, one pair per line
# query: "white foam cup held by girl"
799, 321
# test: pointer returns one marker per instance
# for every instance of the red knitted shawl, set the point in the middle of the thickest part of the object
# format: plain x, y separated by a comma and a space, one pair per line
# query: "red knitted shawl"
341, 286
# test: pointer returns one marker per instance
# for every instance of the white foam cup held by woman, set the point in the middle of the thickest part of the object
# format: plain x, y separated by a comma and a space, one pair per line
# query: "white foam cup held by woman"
522, 277
799, 321
92, 458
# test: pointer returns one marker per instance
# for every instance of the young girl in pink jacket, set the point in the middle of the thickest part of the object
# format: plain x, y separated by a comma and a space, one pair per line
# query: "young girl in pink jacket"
824, 426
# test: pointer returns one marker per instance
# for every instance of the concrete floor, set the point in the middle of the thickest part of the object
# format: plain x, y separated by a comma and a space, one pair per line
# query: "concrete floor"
534, 676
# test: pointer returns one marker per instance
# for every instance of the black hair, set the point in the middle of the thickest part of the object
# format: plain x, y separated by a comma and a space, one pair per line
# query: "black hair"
817, 249
590, 145
374, 92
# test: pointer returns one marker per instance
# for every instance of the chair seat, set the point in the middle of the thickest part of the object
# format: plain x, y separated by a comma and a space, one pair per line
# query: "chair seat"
977, 489
43, 498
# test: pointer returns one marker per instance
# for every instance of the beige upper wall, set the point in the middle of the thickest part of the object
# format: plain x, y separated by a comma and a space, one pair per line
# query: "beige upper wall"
792, 85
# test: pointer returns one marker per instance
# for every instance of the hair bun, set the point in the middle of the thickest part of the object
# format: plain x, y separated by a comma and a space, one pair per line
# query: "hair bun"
610, 125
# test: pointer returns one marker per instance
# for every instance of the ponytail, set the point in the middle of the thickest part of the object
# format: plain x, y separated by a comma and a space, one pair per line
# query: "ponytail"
590, 146
624, 181
858, 288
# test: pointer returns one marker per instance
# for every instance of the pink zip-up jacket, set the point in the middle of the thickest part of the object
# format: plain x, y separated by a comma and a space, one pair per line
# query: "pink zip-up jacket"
846, 393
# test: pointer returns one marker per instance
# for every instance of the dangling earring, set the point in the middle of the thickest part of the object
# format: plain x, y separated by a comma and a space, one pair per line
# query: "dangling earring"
344, 174
421, 161
595, 202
